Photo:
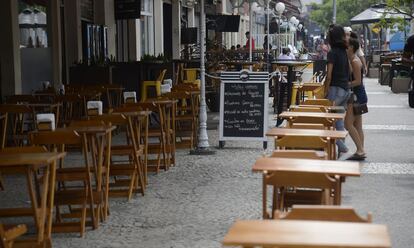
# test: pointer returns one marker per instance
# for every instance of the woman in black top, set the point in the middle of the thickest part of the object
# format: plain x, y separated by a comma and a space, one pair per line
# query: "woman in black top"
353, 122
337, 77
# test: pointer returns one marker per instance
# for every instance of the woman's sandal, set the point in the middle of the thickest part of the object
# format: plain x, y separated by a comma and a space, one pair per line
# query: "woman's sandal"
357, 157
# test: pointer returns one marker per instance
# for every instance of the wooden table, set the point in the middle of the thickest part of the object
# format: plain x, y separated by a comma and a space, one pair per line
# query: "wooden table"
287, 87
307, 234
330, 167
42, 207
329, 135
270, 165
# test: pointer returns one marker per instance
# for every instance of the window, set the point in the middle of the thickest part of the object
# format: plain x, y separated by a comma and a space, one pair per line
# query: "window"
147, 27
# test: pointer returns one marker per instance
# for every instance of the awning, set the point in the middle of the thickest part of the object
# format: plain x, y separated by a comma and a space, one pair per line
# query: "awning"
374, 14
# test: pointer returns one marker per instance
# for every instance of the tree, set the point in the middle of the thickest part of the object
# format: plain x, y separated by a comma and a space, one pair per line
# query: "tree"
403, 7
346, 9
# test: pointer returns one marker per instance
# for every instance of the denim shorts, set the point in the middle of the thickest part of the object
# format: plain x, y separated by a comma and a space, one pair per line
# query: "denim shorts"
339, 96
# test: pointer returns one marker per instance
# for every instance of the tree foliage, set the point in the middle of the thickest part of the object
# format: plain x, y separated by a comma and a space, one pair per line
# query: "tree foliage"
404, 7
345, 10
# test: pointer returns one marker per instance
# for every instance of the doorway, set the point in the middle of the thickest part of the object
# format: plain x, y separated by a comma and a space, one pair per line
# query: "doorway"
167, 22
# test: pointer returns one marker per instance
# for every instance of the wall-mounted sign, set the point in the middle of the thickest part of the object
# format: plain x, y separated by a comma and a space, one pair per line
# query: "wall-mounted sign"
127, 9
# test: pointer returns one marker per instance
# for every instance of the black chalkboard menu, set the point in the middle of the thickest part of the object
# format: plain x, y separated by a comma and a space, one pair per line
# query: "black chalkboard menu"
243, 106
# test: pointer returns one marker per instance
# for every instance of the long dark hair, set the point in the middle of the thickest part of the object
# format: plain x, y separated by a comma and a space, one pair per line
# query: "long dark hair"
354, 43
336, 36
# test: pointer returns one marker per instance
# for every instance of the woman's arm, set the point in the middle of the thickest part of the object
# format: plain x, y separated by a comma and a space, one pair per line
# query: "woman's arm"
328, 79
356, 72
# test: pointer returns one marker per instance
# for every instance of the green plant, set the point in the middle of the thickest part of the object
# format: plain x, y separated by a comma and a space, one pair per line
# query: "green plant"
149, 58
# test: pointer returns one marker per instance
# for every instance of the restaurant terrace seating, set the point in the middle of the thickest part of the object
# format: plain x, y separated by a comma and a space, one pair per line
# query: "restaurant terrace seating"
126, 166
74, 182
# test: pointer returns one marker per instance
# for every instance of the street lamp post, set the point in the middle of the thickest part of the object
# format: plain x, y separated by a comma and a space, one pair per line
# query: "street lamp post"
203, 147
280, 8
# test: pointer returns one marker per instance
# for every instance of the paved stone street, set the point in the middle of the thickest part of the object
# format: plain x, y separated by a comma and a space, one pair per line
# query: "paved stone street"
194, 203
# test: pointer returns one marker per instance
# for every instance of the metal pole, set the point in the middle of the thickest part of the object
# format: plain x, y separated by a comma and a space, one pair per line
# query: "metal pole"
250, 30
268, 38
334, 12
203, 146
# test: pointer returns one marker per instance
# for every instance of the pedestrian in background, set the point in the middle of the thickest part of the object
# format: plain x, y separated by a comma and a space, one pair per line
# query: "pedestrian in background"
338, 74
357, 104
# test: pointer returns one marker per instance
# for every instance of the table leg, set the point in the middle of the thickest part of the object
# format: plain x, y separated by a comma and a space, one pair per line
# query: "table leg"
290, 80
36, 209
264, 203
107, 166
88, 183
50, 203
281, 97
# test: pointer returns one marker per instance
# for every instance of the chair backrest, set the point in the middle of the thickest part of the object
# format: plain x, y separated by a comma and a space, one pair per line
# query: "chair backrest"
305, 154
318, 126
328, 124
23, 149
323, 213
323, 102
161, 76
15, 109
301, 179
56, 138
21, 99
86, 123
302, 142
309, 108
111, 119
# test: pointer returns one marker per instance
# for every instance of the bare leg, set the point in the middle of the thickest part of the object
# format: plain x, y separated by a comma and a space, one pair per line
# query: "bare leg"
353, 132
358, 126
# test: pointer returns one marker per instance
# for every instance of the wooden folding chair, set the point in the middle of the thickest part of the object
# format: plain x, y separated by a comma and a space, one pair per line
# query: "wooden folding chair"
139, 115
132, 167
20, 120
286, 182
322, 213
74, 183
10, 234
161, 133
185, 118
70, 108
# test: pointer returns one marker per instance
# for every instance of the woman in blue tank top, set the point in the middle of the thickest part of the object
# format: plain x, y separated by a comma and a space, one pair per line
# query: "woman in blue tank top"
353, 122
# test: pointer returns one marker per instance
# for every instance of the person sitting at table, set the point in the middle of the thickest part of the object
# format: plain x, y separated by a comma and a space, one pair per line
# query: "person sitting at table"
337, 76
353, 121
285, 54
